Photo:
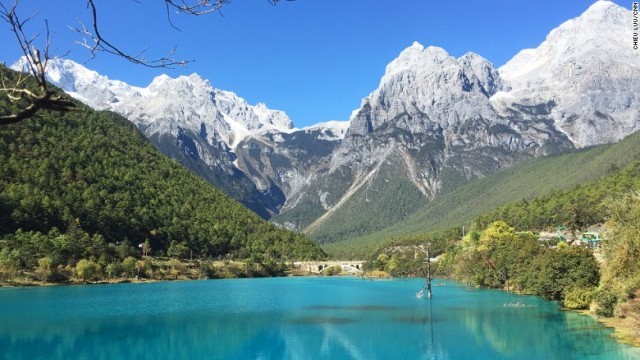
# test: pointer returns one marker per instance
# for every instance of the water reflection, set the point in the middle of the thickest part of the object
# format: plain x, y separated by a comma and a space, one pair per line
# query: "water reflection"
292, 319
321, 320
152, 338
352, 307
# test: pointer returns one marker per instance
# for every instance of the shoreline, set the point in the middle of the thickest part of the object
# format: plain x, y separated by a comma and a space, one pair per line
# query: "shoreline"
622, 331
75, 282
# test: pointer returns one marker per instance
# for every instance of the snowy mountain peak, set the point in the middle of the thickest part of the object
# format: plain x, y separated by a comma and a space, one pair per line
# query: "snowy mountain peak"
416, 45
602, 10
427, 80
586, 67
160, 80
330, 130
64, 73
416, 58
601, 33
182, 87
487, 75
166, 104
278, 119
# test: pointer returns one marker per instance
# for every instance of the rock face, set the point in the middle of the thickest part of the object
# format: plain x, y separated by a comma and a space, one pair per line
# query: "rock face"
434, 123
432, 120
589, 69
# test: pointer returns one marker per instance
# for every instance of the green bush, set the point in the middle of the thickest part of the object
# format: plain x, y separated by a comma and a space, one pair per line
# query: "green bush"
578, 298
129, 267
87, 270
332, 271
606, 300
44, 270
207, 270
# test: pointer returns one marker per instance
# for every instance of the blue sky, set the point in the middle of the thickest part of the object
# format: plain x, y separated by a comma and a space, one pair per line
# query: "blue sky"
314, 59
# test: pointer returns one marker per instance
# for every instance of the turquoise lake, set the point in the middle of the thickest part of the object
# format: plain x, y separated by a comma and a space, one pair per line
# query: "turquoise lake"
293, 318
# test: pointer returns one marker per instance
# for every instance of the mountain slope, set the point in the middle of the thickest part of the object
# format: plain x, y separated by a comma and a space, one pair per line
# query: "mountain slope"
95, 173
526, 180
250, 151
187, 119
431, 122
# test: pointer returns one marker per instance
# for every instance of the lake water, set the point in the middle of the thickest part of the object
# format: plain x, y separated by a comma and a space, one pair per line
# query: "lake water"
293, 318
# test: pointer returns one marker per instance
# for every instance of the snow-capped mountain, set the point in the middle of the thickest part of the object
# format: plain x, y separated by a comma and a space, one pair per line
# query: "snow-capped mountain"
188, 102
441, 121
588, 69
214, 132
429, 127
434, 123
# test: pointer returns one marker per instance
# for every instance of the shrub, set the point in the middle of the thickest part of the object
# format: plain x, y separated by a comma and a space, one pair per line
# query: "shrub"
578, 298
334, 270
129, 267
207, 270
44, 270
87, 270
606, 300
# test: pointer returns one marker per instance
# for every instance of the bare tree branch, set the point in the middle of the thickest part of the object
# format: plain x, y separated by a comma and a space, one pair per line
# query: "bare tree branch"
197, 7
95, 42
41, 98
29, 98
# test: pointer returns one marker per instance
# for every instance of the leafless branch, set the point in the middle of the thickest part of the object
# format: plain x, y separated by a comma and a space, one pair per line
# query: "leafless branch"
31, 98
197, 7
95, 42
41, 98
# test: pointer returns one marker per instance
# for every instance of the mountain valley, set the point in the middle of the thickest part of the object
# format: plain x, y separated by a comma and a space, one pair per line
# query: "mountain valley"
434, 124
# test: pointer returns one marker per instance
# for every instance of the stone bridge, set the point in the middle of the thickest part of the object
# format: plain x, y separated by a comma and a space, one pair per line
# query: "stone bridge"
353, 267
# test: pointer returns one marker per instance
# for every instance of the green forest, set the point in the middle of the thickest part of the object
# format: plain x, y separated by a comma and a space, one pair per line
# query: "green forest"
87, 185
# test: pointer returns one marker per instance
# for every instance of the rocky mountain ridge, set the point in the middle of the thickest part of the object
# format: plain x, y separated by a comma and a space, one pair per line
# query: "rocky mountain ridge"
209, 130
588, 69
443, 121
434, 123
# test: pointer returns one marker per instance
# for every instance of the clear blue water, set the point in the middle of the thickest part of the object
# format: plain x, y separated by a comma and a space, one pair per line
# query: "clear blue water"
292, 318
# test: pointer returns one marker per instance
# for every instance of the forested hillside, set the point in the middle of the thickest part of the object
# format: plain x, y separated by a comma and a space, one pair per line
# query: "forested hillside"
88, 185
583, 206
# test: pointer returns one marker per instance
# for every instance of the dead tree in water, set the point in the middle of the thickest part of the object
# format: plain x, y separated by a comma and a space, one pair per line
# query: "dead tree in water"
427, 250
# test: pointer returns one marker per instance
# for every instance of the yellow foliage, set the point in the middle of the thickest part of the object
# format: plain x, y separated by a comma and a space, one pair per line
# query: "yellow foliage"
496, 232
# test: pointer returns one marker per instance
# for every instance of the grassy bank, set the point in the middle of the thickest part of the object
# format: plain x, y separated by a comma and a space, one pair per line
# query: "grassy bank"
147, 269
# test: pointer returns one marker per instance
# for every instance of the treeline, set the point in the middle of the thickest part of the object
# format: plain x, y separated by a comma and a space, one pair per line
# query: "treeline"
576, 209
499, 257
88, 185
33, 257
407, 256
